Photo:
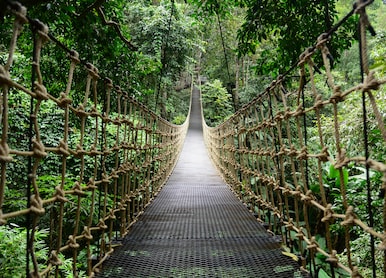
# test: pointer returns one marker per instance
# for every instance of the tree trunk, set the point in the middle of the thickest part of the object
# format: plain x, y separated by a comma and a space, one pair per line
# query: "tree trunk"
163, 104
242, 79
235, 91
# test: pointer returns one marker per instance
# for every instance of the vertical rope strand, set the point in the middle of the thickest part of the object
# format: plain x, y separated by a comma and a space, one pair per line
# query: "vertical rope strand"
29, 163
364, 69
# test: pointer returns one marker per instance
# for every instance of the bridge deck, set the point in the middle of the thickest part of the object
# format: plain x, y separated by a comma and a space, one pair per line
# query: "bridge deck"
196, 227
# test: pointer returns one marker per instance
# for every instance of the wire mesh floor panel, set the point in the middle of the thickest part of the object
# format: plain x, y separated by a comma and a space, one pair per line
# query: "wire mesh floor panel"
196, 227
196, 230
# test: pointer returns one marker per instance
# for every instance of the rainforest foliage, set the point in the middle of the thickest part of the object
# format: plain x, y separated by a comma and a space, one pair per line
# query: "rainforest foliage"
155, 49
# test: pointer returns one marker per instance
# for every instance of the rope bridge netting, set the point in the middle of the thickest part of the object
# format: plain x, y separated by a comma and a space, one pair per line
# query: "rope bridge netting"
292, 157
112, 157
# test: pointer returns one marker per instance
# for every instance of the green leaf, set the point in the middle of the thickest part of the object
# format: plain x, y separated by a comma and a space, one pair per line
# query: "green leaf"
323, 274
345, 178
333, 173
315, 188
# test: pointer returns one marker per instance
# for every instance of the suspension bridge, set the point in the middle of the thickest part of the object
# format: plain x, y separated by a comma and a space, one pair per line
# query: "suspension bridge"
144, 199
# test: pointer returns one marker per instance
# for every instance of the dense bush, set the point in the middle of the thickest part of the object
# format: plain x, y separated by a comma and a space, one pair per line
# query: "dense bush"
216, 102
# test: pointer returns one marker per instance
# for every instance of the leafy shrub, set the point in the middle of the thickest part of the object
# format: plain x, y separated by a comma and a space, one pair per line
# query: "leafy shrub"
217, 104
361, 256
178, 120
13, 245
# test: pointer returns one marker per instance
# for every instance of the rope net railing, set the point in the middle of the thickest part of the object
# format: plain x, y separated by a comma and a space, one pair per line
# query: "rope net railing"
112, 157
287, 156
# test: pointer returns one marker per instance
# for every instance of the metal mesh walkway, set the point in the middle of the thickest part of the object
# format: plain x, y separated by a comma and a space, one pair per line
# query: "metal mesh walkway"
196, 227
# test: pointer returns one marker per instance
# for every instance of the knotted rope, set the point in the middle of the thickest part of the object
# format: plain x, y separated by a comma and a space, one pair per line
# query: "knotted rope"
284, 174
99, 183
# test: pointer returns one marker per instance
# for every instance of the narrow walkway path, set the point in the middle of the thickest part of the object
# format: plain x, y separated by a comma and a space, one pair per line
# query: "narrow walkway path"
196, 227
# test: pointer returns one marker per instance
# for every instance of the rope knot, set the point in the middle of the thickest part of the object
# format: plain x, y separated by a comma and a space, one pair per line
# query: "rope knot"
308, 197
42, 30
341, 160
112, 215
94, 112
300, 234
54, 259
20, 13
277, 212
271, 86
287, 113
322, 40
292, 151
63, 148
370, 83
78, 189
318, 102
4, 152
38, 149
122, 206
91, 184
279, 116
64, 101
93, 150
107, 151
102, 225
106, 118
72, 242
286, 190
313, 245
290, 225
258, 199
87, 233
114, 174
333, 259
74, 56
306, 55
297, 192
105, 178
92, 70
303, 153
360, 5
282, 150
79, 151
109, 83
299, 111
36, 205
323, 155
337, 95
349, 217
60, 194
80, 112
119, 91
328, 213
40, 91
117, 121
277, 187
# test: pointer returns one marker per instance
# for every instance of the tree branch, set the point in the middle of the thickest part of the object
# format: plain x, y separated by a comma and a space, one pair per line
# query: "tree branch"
96, 5
30, 3
117, 29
